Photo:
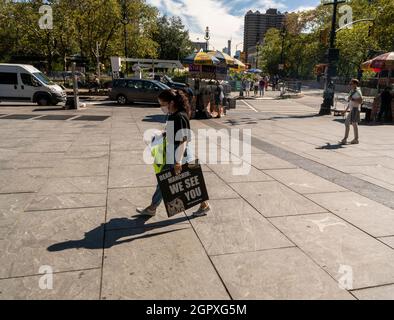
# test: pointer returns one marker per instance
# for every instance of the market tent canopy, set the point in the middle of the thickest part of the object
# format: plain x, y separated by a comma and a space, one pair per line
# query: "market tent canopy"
224, 58
367, 66
239, 66
255, 71
383, 62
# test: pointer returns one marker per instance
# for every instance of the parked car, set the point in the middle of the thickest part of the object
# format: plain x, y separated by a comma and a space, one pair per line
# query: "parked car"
136, 90
23, 83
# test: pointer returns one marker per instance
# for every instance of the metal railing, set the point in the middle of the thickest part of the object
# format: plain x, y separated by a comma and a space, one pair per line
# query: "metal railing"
293, 86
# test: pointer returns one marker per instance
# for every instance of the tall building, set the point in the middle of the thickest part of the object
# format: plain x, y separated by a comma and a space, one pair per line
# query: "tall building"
257, 24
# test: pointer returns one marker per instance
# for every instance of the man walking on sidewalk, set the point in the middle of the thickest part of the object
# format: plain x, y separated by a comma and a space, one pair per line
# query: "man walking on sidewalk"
262, 87
385, 105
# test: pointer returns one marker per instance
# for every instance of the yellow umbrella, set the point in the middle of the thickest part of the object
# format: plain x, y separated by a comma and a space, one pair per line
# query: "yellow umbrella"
239, 66
222, 57
201, 58
367, 66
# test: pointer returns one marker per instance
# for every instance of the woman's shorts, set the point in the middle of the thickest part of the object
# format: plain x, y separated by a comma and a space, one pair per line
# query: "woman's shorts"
353, 117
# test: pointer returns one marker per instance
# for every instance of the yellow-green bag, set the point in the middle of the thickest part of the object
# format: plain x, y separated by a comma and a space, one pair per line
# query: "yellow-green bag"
158, 151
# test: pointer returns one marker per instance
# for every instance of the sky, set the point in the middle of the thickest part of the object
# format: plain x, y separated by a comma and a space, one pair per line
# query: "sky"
225, 18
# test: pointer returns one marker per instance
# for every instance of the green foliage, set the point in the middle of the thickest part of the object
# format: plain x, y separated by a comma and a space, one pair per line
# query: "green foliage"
304, 46
172, 38
78, 26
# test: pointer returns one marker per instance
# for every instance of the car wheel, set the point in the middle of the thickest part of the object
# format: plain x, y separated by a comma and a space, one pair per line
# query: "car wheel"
43, 101
122, 100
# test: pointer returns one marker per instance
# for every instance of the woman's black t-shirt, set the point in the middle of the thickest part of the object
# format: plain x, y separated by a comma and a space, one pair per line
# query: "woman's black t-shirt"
178, 121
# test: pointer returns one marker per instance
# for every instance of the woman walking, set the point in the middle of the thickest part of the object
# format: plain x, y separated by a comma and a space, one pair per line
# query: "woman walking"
256, 86
175, 104
355, 100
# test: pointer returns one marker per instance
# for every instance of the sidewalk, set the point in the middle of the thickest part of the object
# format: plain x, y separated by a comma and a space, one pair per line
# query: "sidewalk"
304, 222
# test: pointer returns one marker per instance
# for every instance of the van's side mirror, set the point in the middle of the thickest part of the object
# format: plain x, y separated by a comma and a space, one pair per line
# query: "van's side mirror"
36, 83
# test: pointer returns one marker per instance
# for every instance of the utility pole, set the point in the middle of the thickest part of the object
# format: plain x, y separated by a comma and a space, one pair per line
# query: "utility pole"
333, 56
282, 62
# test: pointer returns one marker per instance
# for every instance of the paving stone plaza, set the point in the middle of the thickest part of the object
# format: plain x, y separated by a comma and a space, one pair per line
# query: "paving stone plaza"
311, 220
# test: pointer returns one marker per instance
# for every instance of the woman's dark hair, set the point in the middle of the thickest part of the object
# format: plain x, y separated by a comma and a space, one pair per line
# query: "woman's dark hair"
180, 99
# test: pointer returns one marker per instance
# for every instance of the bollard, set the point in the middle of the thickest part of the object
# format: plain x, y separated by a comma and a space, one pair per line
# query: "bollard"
75, 86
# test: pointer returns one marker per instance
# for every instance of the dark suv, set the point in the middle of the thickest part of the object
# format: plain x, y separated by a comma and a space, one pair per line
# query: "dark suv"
136, 90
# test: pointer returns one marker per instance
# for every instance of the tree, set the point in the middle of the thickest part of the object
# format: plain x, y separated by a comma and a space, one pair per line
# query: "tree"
77, 28
305, 46
172, 38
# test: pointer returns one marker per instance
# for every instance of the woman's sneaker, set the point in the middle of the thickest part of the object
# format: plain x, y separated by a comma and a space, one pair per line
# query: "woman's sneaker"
148, 212
201, 212
343, 142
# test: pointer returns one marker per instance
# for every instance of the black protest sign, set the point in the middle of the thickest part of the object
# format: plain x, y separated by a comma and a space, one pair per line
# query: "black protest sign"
183, 191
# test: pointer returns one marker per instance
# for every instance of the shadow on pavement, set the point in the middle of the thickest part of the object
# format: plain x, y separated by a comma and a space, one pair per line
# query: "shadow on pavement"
155, 118
49, 109
94, 238
330, 146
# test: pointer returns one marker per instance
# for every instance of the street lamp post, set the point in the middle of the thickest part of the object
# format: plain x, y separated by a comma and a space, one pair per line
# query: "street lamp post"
207, 37
125, 22
333, 56
282, 62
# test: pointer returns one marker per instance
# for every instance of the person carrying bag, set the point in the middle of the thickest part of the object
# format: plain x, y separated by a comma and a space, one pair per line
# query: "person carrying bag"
172, 152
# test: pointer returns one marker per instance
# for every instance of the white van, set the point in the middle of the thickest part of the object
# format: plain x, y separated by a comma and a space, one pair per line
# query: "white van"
25, 83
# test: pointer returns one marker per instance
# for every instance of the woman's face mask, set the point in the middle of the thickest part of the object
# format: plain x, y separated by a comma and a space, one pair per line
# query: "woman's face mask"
164, 109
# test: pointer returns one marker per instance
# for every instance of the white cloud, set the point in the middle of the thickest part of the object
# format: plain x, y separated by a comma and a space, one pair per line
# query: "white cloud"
303, 8
224, 22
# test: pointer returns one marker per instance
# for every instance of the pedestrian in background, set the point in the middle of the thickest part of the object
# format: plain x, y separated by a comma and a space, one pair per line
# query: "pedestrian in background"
256, 86
247, 87
262, 87
385, 105
219, 96
355, 100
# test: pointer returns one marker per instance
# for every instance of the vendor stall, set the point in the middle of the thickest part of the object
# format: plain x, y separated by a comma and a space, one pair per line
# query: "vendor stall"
206, 68
383, 65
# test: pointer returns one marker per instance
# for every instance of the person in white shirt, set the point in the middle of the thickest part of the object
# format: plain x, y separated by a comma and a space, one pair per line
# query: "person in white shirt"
247, 87
355, 100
